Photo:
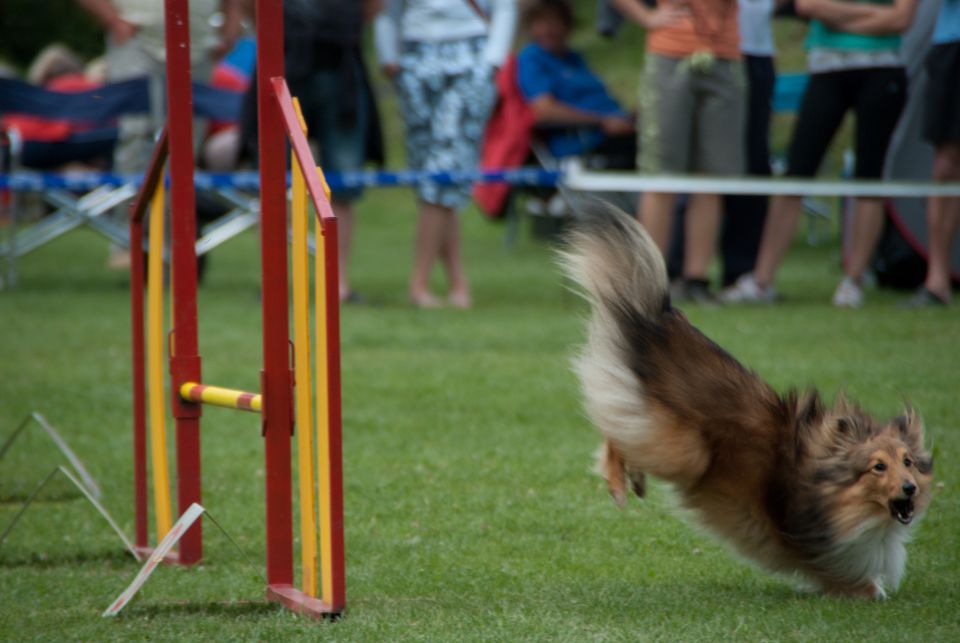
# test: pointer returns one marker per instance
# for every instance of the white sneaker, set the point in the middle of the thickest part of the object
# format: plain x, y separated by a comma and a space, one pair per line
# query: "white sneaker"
848, 294
747, 290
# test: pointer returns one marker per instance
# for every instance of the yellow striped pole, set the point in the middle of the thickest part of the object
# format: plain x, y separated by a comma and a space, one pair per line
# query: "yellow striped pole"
218, 396
323, 419
155, 339
301, 334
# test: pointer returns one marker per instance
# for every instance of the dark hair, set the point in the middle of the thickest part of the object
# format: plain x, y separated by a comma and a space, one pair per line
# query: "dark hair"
535, 9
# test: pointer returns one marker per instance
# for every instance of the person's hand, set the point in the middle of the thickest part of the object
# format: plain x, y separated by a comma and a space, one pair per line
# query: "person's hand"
616, 125
665, 15
391, 69
121, 31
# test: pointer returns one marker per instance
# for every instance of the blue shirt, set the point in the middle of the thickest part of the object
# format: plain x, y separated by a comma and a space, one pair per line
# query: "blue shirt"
948, 23
568, 79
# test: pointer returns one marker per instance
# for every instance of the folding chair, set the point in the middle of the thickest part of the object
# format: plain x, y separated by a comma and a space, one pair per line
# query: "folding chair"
99, 108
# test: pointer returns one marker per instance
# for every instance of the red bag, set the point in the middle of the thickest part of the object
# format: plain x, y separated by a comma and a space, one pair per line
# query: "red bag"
506, 141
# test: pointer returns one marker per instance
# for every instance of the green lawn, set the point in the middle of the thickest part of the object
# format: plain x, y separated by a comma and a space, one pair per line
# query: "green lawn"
470, 509
471, 512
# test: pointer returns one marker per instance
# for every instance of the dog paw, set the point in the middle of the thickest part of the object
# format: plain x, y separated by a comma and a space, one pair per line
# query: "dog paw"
618, 494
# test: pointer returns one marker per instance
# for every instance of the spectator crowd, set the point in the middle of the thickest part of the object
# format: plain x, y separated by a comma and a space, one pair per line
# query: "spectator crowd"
704, 107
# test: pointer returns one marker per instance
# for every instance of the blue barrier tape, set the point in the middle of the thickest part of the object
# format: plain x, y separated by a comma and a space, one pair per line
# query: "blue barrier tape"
24, 181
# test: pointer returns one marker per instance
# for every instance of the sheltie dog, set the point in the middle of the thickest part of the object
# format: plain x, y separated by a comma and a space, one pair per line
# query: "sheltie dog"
827, 493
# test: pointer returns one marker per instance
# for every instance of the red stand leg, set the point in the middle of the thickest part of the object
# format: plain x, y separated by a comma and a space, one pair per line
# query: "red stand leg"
185, 361
330, 240
277, 383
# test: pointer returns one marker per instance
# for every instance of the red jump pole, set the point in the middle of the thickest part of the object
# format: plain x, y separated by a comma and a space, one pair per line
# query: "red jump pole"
277, 382
331, 311
185, 360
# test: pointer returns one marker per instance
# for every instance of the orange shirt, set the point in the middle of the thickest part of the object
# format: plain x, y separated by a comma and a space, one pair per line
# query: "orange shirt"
711, 26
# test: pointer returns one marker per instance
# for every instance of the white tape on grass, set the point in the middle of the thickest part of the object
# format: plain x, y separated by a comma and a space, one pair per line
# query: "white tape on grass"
163, 548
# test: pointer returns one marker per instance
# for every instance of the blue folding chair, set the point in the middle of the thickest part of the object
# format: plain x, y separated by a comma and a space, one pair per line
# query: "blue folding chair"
99, 110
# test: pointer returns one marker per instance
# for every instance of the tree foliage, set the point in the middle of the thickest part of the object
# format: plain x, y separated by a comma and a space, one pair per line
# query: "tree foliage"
27, 26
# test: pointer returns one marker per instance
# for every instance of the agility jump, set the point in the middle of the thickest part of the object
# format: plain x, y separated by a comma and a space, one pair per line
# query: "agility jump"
322, 587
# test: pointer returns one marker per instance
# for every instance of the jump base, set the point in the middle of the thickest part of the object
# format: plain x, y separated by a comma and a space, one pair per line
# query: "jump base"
173, 558
296, 601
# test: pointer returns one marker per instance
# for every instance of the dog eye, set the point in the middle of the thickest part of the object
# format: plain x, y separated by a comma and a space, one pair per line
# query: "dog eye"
880, 466
907, 462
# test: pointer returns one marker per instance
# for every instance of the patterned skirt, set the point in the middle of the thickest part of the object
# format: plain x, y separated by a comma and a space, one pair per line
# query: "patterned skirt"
446, 92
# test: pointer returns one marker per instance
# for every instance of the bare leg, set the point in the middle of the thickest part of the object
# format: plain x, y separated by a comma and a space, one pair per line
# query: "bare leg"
431, 225
656, 215
701, 227
778, 231
867, 228
451, 254
344, 212
943, 221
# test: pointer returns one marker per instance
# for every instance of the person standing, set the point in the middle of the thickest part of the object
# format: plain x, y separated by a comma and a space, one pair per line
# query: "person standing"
744, 214
325, 70
135, 47
441, 55
942, 128
691, 120
854, 62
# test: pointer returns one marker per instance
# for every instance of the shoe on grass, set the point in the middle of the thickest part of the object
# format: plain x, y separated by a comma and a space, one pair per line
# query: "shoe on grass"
848, 294
746, 290
698, 292
924, 298
692, 291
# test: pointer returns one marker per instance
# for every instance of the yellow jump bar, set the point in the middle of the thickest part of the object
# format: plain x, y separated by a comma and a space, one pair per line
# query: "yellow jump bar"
218, 396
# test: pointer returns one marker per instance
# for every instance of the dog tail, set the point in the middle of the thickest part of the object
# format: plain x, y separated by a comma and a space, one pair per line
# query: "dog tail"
617, 263
620, 268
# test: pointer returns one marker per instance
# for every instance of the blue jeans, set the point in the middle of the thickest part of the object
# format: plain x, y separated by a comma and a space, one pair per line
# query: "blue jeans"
342, 144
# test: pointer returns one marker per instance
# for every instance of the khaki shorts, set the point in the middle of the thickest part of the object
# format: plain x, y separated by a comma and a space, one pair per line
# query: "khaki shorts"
691, 120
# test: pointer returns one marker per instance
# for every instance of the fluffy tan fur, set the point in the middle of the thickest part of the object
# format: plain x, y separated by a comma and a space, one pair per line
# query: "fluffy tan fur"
787, 482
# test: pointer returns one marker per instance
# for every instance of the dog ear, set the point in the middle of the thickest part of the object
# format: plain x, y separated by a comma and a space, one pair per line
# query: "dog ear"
910, 424
844, 425
843, 406
852, 428
910, 427
806, 412
809, 409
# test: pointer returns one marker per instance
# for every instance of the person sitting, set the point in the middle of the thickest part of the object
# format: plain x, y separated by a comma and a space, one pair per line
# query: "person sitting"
562, 91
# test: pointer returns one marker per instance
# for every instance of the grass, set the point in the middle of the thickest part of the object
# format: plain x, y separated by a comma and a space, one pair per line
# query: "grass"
471, 513
470, 510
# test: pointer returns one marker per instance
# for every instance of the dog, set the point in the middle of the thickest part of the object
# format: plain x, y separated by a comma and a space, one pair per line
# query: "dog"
826, 493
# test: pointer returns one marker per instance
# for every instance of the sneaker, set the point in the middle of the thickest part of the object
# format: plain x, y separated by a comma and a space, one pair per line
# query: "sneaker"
692, 291
848, 294
924, 298
746, 290
698, 292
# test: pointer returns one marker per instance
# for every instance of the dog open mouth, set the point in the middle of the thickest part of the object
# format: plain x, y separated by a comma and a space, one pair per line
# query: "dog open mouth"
902, 510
